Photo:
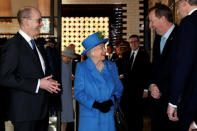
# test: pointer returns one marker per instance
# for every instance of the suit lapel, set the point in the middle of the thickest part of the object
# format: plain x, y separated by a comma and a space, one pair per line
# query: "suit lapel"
34, 57
169, 41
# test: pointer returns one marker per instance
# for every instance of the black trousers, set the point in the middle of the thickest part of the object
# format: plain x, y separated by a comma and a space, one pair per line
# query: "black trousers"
2, 125
38, 125
159, 117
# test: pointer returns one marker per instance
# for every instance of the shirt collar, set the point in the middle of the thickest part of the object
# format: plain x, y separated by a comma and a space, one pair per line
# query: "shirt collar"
192, 11
25, 36
167, 34
136, 51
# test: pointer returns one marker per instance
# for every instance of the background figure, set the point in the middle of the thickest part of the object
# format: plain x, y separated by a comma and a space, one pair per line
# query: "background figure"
161, 20
111, 55
53, 58
119, 64
54, 61
66, 97
74, 60
25, 73
96, 83
136, 71
183, 93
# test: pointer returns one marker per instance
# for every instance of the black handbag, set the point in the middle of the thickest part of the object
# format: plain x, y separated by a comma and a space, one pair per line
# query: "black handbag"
119, 117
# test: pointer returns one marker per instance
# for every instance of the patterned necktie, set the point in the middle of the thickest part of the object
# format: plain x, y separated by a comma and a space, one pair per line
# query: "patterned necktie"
162, 43
33, 44
34, 48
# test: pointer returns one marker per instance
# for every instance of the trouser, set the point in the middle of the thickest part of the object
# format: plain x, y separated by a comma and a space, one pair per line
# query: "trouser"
37, 125
159, 117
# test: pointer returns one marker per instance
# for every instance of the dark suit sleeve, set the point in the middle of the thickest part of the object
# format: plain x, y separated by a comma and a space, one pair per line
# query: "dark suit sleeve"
184, 58
195, 118
147, 70
10, 72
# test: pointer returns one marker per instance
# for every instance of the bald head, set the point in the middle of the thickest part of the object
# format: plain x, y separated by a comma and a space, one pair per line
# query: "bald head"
25, 12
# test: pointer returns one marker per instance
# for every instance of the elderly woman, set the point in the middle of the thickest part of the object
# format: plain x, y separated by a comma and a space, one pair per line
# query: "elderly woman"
96, 83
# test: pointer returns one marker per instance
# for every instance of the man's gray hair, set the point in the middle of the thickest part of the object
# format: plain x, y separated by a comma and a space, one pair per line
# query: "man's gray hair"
24, 13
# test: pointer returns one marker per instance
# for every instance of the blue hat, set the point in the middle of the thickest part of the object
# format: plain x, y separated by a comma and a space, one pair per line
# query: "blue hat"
92, 41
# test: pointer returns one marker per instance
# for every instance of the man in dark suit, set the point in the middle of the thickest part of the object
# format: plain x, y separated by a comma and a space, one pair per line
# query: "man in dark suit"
111, 55
136, 71
183, 95
24, 72
161, 20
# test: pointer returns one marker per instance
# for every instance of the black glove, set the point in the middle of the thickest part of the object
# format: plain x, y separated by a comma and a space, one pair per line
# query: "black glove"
104, 106
108, 103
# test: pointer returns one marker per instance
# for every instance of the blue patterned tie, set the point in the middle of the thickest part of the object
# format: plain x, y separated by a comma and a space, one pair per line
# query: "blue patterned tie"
33, 44
162, 43
34, 48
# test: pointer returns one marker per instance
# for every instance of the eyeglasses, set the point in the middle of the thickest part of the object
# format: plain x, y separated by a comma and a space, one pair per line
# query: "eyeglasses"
39, 20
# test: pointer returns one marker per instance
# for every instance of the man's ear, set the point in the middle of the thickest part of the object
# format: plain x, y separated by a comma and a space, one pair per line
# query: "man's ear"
163, 18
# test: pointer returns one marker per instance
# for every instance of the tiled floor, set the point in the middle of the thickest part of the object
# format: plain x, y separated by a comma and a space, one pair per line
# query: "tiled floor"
52, 127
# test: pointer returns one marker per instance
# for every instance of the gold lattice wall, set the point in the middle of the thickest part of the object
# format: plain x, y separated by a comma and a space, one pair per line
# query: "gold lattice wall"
76, 29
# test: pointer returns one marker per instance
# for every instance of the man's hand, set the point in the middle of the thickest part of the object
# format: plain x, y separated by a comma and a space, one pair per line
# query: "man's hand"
172, 113
49, 84
154, 90
145, 94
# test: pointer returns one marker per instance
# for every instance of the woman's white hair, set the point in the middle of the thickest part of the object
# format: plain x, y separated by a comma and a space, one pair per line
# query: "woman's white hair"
90, 53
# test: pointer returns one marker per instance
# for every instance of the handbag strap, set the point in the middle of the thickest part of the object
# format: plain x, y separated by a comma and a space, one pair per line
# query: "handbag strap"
117, 106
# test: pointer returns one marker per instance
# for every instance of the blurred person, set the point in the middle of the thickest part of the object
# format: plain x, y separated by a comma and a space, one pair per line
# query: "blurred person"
136, 73
96, 83
119, 62
118, 51
111, 55
53, 58
25, 73
66, 98
183, 94
161, 19
74, 60
54, 61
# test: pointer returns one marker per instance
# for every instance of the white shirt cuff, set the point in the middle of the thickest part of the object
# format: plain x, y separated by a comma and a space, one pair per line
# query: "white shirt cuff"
38, 86
175, 106
145, 90
195, 125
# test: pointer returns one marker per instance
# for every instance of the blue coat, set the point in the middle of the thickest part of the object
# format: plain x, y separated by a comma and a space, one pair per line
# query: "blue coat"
90, 85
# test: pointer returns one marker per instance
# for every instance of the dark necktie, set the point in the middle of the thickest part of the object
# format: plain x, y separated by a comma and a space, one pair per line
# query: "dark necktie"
33, 44
131, 58
34, 48
35, 51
